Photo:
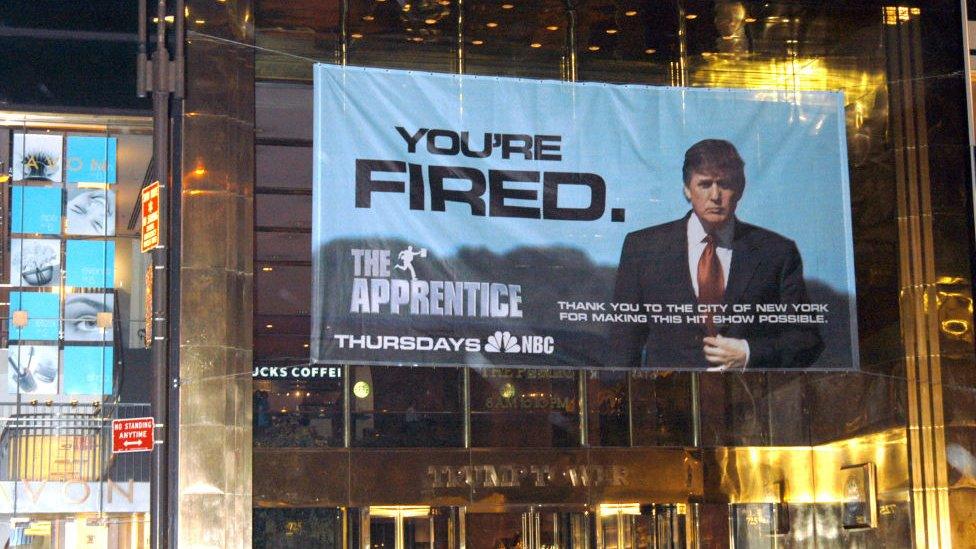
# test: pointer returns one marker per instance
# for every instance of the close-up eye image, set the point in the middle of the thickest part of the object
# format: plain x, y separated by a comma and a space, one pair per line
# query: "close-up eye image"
35, 263
32, 369
81, 317
90, 212
39, 165
37, 157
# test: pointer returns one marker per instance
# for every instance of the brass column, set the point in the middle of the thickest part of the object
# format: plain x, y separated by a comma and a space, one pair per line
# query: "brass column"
216, 277
918, 280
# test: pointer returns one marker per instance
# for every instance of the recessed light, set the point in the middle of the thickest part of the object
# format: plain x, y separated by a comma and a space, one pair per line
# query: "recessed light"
267, 269
269, 326
477, 42
355, 35
535, 45
594, 48
552, 28
750, 19
430, 21
649, 51
507, 6
612, 31
368, 18
491, 24
630, 13
691, 16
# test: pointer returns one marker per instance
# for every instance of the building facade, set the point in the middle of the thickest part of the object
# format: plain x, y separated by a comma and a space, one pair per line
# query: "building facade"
266, 449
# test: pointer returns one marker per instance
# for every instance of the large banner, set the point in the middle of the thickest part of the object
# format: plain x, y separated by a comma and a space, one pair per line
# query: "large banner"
482, 220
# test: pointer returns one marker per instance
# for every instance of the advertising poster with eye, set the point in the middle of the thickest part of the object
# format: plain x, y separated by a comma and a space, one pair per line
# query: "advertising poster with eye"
497, 221
62, 264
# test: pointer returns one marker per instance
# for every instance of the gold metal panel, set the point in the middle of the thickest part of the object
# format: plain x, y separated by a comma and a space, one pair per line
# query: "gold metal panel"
300, 477
215, 300
480, 479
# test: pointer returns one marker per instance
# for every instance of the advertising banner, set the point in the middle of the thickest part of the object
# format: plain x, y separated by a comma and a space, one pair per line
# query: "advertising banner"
496, 221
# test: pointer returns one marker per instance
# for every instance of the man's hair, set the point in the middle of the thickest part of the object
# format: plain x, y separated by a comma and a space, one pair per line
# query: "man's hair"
715, 155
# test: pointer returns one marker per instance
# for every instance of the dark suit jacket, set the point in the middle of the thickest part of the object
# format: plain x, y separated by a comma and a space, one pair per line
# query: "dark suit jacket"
766, 268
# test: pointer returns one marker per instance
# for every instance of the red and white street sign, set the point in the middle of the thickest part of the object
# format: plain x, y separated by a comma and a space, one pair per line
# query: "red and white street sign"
150, 216
132, 435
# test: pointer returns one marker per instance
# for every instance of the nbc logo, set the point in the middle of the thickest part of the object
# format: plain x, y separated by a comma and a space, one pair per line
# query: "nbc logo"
502, 342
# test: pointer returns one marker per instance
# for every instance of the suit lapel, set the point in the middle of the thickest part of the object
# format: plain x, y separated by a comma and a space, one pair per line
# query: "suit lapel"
745, 259
677, 251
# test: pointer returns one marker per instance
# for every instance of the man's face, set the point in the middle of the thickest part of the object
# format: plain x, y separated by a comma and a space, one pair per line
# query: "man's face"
713, 197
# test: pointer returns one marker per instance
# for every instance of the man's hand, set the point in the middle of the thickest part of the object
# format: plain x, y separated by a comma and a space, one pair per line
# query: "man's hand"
725, 353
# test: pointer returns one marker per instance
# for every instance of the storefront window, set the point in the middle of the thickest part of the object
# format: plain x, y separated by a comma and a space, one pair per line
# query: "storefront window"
73, 336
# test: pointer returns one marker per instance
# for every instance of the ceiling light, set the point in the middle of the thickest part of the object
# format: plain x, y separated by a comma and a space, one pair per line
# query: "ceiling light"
267, 269
750, 19
477, 42
649, 51
444, 2
507, 6
491, 24
430, 21
368, 18
691, 16
535, 45
630, 13
356, 35
269, 326
594, 48
612, 31
552, 28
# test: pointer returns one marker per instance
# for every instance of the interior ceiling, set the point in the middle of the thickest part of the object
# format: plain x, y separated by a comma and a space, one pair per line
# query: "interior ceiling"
605, 28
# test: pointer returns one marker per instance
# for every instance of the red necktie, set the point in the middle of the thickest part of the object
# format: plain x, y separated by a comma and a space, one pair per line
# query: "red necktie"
711, 281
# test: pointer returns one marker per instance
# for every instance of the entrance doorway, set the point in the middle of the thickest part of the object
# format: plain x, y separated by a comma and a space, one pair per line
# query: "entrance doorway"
409, 527
627, 526
635, 526
531, 528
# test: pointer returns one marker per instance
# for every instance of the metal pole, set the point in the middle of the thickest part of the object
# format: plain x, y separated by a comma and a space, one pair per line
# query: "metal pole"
466, 396
968, 71
571, 30
695, 410
159, 487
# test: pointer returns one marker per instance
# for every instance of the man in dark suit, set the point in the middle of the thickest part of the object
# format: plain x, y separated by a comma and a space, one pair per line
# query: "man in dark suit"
712, 260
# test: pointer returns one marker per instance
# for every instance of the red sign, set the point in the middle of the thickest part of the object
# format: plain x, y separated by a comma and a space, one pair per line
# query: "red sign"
132, 435
150, 216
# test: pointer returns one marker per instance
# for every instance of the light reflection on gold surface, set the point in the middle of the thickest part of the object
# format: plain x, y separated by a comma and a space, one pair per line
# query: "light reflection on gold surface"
781, 73
810, 474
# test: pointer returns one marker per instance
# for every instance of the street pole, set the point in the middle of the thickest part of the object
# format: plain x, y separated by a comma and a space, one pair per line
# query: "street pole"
161, 77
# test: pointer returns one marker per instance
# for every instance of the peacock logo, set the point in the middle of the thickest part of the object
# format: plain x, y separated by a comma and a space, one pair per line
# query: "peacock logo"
502, 342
